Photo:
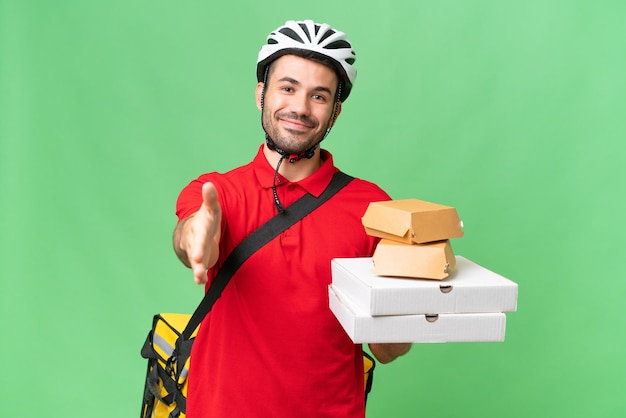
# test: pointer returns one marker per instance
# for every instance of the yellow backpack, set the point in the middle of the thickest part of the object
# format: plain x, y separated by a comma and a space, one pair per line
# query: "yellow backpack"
165, 392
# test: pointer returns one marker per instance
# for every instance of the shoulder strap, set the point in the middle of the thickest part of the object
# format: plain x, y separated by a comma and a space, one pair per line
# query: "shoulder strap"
264, 234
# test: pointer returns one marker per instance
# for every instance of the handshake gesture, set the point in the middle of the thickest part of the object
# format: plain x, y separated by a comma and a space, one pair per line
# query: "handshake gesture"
197, 237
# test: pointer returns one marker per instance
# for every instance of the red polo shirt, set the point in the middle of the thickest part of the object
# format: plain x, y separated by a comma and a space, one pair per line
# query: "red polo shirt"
271, 347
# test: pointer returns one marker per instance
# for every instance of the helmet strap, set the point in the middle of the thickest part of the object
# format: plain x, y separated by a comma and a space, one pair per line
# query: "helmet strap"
279, 206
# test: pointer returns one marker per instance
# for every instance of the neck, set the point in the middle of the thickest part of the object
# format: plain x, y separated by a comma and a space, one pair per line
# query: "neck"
296, 171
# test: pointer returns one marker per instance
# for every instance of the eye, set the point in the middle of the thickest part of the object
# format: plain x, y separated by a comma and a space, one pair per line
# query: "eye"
287, 89
319, 97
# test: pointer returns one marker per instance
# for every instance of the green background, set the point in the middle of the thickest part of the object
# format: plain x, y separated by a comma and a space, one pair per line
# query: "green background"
511, 111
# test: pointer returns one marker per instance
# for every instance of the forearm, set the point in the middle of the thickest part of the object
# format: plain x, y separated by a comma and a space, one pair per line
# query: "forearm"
388, 352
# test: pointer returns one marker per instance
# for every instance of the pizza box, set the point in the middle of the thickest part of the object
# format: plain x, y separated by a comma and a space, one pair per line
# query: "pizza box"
435, 328
470, 288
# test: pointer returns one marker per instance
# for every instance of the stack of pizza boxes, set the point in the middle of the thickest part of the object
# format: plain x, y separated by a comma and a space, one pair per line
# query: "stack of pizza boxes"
413, 288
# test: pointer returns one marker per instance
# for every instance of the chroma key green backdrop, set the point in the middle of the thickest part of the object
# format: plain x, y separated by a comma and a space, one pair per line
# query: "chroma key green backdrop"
511, 111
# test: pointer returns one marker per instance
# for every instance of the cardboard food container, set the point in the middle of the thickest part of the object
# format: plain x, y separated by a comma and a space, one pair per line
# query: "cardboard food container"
412, 221
470, 288
441, 328
425, 261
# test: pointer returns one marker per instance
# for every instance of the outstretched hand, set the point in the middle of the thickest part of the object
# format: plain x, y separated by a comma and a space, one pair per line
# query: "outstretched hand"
198, 237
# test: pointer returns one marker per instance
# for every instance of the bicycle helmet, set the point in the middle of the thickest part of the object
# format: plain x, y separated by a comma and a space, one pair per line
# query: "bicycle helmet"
318, 38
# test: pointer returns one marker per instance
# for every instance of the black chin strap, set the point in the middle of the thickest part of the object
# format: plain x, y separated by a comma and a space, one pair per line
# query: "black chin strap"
276, 181
292, 158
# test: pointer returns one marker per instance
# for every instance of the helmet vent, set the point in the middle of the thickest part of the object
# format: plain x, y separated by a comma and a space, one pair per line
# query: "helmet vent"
338, 45
326, 35
290, 33
305, 29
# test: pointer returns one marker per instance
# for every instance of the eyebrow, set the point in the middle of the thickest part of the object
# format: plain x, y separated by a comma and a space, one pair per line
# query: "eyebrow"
297, 83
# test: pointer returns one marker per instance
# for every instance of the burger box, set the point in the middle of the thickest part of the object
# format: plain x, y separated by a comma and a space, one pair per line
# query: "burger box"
434, 328
412, 221
427, 261
470, 288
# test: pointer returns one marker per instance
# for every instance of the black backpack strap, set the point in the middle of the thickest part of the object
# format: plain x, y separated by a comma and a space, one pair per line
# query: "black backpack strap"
264, 234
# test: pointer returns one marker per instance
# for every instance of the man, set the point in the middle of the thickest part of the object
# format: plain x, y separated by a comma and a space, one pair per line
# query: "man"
270, 346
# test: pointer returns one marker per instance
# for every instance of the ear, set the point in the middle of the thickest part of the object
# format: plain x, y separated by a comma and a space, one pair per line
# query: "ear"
259, 93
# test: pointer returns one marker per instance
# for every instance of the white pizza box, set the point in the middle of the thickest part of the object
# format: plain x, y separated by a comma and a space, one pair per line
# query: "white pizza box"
436, 328
470, 288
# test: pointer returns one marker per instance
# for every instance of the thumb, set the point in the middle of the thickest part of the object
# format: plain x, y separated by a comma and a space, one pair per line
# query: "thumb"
209, 197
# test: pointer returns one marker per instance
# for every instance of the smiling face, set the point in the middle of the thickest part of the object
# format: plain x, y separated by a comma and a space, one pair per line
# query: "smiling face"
299, 102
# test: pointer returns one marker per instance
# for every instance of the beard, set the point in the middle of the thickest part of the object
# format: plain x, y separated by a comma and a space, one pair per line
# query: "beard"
290, 141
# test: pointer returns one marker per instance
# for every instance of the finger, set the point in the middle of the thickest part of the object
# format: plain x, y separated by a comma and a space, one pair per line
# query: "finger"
209, 197
199, 274
199, 239
205, 223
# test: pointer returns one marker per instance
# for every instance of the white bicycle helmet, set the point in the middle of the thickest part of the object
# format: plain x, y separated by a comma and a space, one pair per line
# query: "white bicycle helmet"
320, 39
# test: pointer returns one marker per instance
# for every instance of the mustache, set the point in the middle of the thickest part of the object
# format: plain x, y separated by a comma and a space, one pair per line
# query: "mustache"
299, 118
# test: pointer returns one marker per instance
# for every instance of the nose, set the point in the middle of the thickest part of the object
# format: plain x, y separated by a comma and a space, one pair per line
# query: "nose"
299, 104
